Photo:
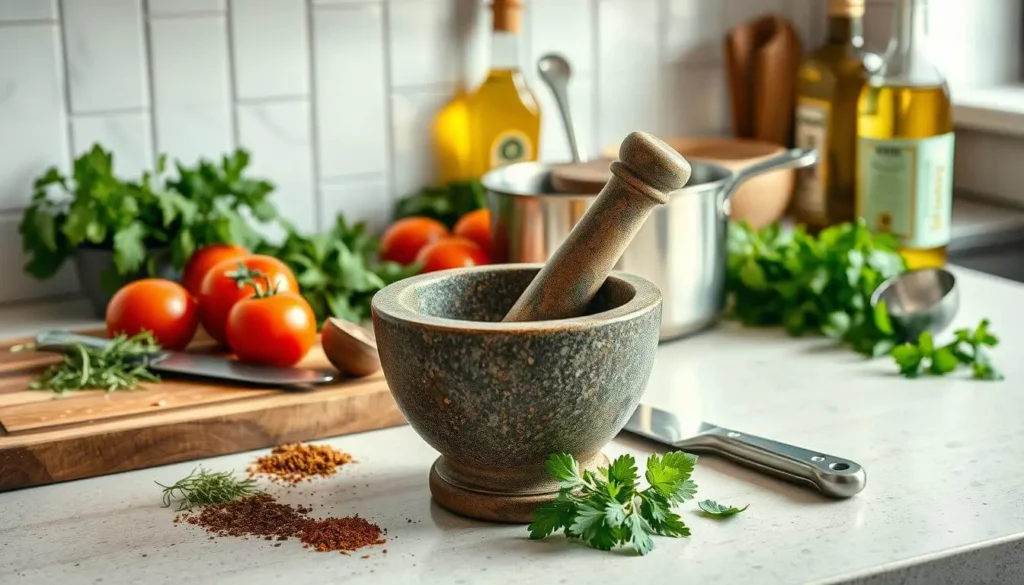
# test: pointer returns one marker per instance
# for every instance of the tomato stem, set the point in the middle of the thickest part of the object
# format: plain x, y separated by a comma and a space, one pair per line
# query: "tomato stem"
245, 276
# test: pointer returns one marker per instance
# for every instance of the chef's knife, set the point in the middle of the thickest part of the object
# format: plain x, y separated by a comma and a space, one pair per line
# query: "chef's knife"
176, 362
833, 476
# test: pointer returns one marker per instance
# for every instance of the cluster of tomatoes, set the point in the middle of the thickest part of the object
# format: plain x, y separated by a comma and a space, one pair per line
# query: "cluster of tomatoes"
428, 242
248, 302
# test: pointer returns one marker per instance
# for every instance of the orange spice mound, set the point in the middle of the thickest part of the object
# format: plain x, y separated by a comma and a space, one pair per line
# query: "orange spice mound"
295, 462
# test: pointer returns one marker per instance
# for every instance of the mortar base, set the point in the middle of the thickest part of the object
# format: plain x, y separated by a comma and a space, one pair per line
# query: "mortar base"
509, 508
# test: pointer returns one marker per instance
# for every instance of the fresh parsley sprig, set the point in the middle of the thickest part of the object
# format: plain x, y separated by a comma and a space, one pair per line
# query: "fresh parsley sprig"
606, 508
967, 349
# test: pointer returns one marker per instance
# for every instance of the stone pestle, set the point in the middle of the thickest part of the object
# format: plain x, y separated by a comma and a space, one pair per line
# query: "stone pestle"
646, 172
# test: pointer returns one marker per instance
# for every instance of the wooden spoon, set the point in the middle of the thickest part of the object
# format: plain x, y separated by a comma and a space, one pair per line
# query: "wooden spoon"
350, 348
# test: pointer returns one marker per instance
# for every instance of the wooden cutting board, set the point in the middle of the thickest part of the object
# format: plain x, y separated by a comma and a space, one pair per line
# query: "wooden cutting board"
45, 439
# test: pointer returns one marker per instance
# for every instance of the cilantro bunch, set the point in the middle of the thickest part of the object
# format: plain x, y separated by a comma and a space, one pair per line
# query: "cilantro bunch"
606, 509
811, 284
337, 270
139, 219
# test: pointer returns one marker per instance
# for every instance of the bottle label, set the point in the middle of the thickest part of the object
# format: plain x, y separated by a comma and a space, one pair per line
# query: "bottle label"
812, 129
509, 147
905, 188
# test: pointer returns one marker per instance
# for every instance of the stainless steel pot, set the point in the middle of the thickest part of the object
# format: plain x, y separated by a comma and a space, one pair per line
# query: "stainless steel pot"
681, 248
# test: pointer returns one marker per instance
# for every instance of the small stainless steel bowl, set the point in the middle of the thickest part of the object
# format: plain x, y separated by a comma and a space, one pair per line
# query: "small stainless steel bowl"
919, 300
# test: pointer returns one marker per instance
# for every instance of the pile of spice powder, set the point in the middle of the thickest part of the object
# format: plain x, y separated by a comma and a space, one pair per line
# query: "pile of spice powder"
257, 515
262, 516
341, 534
293, 463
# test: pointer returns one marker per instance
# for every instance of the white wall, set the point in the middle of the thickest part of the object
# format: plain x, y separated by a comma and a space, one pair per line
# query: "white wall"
334, 98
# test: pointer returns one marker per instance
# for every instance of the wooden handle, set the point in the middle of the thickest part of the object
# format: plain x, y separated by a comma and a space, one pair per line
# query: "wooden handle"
646, 172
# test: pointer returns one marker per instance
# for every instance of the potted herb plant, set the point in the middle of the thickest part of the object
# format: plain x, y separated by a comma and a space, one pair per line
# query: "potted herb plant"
118, 230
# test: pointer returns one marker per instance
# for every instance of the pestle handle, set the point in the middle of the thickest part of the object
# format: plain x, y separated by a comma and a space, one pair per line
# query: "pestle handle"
646, 172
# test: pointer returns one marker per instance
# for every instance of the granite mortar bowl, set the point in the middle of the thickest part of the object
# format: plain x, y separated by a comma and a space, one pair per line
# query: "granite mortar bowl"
495, 399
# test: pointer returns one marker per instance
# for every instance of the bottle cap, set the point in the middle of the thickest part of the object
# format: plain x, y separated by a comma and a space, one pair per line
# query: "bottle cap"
846, 7
507, 15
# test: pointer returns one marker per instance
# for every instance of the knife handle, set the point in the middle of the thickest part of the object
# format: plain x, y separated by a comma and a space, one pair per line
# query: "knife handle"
833, 476
61, 340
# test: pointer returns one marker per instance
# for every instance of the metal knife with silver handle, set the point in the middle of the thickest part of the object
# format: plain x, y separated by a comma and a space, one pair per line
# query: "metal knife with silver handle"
182, 363
833, 476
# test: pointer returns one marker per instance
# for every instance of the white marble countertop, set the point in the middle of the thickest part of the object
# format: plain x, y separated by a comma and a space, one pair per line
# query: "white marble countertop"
942, 503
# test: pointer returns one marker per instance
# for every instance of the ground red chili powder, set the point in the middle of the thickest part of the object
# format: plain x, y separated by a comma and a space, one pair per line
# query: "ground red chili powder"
341, 534
257, 515
262, 516
293, 463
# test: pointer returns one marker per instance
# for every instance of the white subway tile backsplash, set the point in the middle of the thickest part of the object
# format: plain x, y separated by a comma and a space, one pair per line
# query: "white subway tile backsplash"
366, 200
106, 55
279, 138
17, 10
15, 284
424, 42
127, 135
697, 102
350, 90
694, 31
412, 117
739, 11
33, 128
191, 87
173, 7
270, 47
629, 81
565, 27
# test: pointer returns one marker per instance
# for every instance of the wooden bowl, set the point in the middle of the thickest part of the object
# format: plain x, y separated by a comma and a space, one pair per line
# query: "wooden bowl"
759, 201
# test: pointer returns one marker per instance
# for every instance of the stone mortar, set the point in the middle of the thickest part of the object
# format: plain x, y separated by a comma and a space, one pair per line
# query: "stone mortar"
495, 399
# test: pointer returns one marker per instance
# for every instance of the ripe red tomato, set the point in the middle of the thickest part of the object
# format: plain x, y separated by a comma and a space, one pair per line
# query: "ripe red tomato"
276, 330
159, 306
476, 226
204, 259
451, 252
219, 292
406, 237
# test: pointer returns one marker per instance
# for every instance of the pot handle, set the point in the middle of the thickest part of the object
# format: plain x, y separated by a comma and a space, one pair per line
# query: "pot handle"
796, 158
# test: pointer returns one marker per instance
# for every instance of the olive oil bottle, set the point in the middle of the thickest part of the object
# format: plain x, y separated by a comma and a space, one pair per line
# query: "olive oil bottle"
828, 86
905, 144
499, 122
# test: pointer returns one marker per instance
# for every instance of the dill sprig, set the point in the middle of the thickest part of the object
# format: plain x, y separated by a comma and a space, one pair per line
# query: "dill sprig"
203, 487
120, 365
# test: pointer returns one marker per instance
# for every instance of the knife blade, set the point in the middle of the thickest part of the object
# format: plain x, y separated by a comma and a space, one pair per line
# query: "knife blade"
206, 366
831, 475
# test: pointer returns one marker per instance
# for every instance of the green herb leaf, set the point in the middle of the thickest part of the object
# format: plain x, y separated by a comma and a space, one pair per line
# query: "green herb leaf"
623, 470
563, 467
550, 518
130, 248
715, 510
